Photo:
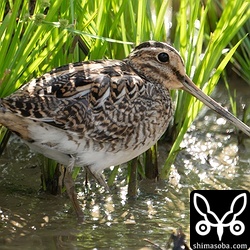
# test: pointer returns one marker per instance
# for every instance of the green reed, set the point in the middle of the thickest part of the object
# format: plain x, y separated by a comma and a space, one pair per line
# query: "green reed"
35, 38
241, 58
204, 58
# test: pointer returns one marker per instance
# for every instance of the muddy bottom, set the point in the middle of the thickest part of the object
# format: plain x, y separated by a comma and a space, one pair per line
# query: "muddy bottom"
29, 219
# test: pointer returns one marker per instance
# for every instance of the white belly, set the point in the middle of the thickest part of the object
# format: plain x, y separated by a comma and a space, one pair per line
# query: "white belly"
63, 146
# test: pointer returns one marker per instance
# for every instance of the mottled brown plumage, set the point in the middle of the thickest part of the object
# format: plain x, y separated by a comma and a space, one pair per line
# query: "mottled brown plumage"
96, 113
101, 113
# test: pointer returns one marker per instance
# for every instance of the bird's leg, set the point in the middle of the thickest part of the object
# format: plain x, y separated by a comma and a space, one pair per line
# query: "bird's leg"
70, 188
99, 178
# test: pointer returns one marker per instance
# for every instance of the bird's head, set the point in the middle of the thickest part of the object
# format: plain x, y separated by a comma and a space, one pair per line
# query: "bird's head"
160, 63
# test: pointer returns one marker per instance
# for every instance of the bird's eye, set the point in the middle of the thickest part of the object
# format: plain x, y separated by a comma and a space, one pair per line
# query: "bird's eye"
163, 57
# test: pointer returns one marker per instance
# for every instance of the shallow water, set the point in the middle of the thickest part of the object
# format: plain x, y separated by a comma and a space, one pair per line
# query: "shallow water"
211, 159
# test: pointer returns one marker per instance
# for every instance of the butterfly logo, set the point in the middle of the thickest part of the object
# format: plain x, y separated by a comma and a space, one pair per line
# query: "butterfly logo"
203, 227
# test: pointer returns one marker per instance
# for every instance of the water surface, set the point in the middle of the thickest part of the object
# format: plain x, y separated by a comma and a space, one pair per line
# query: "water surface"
211, 159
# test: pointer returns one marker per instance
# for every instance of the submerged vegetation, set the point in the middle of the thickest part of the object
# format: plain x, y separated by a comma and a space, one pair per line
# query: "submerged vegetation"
36, 36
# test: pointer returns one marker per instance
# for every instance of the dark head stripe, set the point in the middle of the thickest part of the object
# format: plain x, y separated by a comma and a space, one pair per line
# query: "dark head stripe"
153, 44
156, 44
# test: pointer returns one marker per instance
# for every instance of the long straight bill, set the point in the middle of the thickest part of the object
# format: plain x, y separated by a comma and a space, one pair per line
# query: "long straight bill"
191, 88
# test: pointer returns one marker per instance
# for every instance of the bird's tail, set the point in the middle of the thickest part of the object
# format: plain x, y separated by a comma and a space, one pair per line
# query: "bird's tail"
14, 122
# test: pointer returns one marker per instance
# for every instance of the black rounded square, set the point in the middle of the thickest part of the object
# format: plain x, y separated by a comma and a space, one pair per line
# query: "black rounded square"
219, 219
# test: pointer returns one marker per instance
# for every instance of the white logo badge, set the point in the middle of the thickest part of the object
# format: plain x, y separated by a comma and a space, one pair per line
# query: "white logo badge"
203, 227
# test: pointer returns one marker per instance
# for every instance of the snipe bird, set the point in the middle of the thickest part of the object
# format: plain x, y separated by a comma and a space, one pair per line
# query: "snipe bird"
102, 113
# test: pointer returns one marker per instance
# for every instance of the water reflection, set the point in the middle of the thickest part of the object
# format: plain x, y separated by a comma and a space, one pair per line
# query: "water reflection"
210, 159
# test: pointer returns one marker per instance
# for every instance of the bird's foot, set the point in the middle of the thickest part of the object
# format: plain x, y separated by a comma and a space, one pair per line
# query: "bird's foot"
99, 178
70, 188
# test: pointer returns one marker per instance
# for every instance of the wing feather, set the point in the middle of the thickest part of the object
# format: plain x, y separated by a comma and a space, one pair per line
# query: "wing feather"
70, 97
